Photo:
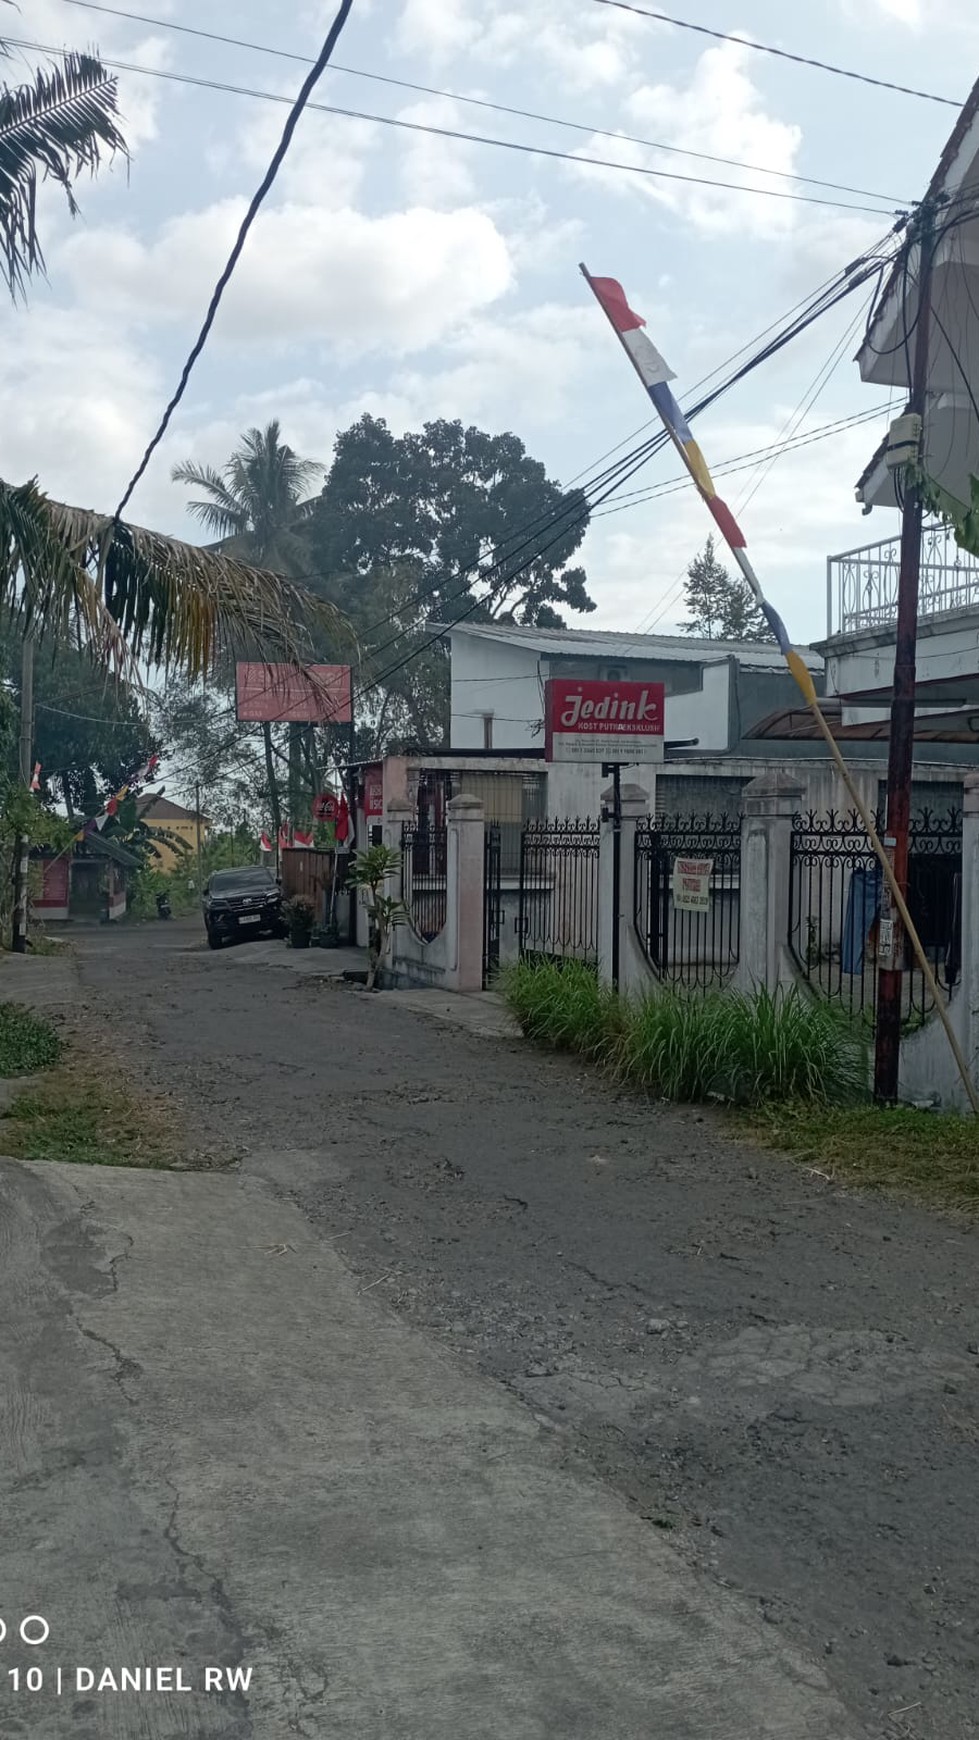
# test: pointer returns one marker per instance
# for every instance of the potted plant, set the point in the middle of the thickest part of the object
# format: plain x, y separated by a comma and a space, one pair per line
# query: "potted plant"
300, 916
371, 869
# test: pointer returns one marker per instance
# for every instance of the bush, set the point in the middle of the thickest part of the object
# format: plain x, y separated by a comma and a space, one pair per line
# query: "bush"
26, 1042
749, 1048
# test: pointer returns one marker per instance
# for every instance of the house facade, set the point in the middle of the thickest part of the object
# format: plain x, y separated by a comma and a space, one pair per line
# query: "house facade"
176, 831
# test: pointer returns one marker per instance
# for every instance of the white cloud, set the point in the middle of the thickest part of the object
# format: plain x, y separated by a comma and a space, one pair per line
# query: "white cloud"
523, 373
719, 112
327, 163
435, 171
587, 48
63, 27
398, 281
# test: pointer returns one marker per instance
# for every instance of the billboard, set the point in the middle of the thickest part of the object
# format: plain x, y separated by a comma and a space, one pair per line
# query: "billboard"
603, 720
285, 694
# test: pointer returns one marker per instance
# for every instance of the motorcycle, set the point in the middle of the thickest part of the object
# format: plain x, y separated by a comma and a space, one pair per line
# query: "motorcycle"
163, 906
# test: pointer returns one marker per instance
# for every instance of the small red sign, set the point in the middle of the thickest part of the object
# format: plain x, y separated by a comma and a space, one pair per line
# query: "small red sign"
374, 791
318, 695
603, 720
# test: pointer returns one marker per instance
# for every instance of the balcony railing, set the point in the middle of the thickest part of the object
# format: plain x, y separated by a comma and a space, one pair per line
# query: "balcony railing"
861, 590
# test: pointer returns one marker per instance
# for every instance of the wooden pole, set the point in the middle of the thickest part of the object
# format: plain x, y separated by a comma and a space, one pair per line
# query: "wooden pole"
23, 849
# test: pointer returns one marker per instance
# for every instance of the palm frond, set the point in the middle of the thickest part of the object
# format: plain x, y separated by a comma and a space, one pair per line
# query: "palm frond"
221, 512
142, 596
59, 125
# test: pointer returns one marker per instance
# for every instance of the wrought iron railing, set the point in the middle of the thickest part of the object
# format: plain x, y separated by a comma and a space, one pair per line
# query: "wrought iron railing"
697, 947
492, 902
862, 589
558, 901
424, 878
834, 903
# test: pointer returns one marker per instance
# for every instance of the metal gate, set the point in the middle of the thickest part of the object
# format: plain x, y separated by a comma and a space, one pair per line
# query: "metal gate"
492, 902
558, 912
699, 949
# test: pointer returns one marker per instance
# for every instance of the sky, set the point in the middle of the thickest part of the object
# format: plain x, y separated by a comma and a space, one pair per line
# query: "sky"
416, 276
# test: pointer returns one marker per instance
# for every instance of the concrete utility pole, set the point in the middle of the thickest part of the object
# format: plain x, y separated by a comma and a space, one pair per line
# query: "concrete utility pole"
22, 871
200, 849
890, 981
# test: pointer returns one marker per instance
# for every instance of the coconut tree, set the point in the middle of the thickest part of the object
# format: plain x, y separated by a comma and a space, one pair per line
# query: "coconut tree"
256, 505
258, 501
53, 128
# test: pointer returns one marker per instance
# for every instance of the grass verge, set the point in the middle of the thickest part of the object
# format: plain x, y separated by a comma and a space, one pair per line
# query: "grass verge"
930, 1156
27, 1043
745, 1049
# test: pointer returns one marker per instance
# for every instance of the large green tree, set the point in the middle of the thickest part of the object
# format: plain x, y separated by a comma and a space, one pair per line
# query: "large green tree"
721, 606
428, 528
90, 733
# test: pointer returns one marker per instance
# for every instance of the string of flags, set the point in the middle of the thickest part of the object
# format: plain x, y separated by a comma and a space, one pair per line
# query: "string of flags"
96, 823
327, 807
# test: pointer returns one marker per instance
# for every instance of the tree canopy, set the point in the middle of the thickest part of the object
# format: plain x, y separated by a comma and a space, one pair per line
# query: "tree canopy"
721, 606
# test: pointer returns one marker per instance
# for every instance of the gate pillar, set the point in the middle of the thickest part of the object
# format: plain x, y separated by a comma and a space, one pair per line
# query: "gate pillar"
770, 802
617, 915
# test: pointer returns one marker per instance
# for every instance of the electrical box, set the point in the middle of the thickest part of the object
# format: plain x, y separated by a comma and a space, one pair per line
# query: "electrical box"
903, 441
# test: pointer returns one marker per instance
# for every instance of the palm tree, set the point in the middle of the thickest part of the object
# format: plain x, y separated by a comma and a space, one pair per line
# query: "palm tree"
257, 502
61, 123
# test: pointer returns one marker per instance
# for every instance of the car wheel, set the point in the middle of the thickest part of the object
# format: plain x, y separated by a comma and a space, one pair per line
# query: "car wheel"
214, 939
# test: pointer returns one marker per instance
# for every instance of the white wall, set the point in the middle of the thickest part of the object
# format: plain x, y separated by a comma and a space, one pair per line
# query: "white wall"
946, 649
491, 677
704, 714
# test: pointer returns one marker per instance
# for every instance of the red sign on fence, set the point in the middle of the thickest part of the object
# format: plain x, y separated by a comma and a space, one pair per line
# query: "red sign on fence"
603, 721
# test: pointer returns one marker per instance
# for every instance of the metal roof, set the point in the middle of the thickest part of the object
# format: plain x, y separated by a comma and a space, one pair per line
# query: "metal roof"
614, 644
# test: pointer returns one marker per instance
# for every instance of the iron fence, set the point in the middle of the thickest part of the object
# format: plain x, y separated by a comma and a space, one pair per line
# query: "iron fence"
700, 947
492, 901
863, 584
835, 887
557, 915
424, 878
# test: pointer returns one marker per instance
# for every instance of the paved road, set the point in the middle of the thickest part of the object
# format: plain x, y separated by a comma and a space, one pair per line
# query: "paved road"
780, 1382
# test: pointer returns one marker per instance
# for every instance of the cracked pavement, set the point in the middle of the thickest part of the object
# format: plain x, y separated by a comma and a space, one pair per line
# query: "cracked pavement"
475, 1400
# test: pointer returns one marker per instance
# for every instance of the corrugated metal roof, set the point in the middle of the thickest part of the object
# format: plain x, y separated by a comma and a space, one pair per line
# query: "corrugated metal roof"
612, 643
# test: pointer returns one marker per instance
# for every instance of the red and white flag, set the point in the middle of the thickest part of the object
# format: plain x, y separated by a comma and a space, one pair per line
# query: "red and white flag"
300, 838
264, 843
36, 777
342, 824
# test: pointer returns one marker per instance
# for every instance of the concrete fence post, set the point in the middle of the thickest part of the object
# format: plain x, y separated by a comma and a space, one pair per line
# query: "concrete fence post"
770, 802
464, 894
396, 812
634, 974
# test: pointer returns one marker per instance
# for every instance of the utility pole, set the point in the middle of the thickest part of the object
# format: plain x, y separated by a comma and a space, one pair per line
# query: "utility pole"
890, 981
22, 870
200, 850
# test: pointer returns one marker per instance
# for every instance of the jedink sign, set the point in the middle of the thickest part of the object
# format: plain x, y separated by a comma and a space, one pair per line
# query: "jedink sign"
603, 721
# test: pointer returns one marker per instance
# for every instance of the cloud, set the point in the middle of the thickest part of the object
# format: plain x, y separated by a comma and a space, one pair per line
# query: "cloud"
62, 27
397, 282
719, 112
434, 171
588, 49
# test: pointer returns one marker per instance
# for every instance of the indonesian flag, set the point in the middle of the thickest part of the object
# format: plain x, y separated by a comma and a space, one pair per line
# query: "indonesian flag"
264, 843
300, 838
112, 806
283, 838
342, 824
36, 777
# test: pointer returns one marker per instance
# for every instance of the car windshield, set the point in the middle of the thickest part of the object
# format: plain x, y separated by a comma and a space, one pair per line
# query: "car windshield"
236, 881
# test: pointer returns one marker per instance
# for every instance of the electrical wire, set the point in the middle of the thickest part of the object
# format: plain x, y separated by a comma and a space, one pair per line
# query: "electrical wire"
431, 129
278, 155
473, 102
781, 53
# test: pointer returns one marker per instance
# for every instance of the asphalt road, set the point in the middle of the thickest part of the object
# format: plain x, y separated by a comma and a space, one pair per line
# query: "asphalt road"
781, 1379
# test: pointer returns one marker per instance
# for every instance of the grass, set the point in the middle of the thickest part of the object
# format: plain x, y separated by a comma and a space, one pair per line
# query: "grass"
73, 1114
747, 1049
933, 1157
27, 1043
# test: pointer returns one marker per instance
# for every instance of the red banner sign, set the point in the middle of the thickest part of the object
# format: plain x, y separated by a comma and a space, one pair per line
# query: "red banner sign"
603, 721
374, 791
280, 694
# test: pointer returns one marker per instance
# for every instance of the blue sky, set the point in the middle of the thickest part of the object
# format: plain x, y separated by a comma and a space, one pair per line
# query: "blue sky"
414, 276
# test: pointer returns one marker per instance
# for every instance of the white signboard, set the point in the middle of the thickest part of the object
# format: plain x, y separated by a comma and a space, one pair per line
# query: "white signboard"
691, 884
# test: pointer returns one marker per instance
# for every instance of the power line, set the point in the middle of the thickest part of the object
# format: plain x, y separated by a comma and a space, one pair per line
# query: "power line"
746, 461
430, 128
474, 102
842, 72
268, 178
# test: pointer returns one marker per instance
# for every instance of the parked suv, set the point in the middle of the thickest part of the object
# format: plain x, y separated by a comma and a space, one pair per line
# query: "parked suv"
245, 902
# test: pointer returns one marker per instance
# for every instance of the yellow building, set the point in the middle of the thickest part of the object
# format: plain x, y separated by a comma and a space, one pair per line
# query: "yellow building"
178, 848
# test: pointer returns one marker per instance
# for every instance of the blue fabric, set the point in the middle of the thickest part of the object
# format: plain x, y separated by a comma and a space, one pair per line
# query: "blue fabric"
862, 909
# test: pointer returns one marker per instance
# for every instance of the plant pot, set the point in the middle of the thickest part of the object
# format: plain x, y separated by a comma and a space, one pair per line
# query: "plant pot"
299, 939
